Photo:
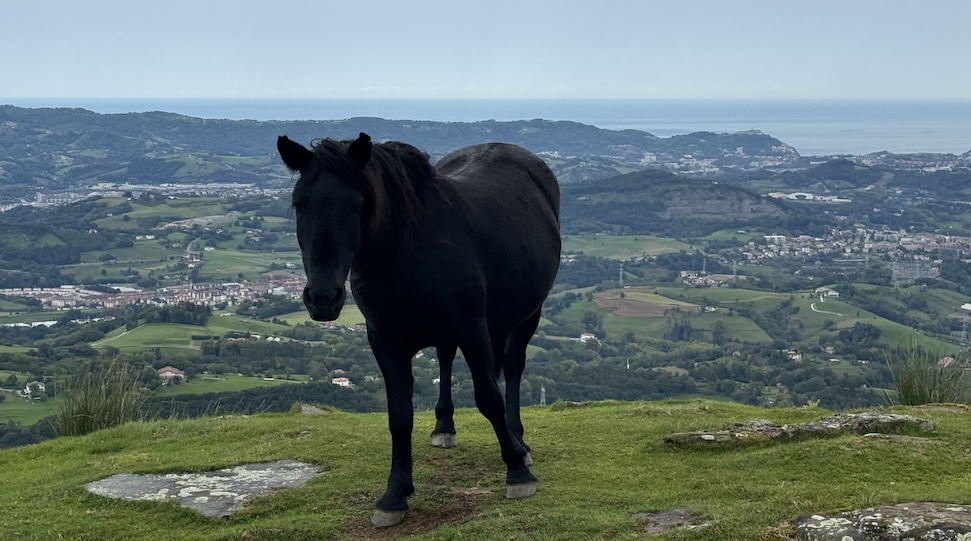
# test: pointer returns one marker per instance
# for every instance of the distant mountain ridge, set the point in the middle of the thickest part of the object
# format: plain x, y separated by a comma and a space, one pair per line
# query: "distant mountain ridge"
60, 148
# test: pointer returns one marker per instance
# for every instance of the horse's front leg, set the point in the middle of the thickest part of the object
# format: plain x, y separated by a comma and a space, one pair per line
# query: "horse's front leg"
398, 383
444, 433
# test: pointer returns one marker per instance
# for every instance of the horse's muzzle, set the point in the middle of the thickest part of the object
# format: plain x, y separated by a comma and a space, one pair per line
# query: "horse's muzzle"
324, 304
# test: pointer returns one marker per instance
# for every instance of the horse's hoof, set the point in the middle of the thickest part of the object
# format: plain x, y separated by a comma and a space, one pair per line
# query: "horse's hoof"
385, 519
528, 460
444, 440
522, 490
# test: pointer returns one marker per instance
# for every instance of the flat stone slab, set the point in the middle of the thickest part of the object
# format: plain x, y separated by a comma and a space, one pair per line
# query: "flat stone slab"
663, 521
216, 493
760, 429
918, 521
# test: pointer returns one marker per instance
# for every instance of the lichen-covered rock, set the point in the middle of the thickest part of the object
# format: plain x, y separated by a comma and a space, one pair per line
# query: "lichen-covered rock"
761, 429
216, 493
919, 521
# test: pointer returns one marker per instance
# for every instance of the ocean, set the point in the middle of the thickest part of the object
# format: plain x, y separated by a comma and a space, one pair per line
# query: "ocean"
813, 127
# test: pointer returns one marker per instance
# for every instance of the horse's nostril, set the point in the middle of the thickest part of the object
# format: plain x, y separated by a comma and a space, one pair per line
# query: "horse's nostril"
323, 297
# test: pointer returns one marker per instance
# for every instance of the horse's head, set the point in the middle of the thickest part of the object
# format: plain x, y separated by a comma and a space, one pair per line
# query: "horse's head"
328, 199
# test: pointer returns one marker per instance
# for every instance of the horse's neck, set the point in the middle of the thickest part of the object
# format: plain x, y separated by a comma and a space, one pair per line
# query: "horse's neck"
382, 252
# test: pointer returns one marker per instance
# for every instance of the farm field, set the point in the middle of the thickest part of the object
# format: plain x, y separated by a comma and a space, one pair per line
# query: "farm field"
211, 383
178, 337
620, 246
153, 335
814, 315
231, 262
23, 411
720, 294
732, 234
177, 209
32, 317
350, 315
738, 327
639, 312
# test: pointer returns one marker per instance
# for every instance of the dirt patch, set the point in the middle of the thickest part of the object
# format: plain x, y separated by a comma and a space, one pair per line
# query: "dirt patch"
626, 306
450, 489
444, 507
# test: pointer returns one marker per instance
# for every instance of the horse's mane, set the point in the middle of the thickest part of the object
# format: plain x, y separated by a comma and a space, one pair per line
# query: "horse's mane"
395, 182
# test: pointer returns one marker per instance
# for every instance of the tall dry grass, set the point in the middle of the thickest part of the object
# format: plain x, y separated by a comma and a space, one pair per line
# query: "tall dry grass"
924, 377
107, 396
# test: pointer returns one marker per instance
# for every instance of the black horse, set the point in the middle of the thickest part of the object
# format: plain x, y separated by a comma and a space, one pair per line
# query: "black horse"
460, 255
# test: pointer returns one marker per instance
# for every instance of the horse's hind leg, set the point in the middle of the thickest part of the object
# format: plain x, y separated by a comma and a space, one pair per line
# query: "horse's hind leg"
444, 433
478, 351
513, 367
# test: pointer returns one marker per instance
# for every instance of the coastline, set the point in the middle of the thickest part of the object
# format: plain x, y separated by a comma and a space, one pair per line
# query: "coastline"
815, 127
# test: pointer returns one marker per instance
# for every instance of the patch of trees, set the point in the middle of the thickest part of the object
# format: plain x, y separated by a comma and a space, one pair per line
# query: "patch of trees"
186, 313
775, 322
269, 307
684, 260
585, 271
14, 435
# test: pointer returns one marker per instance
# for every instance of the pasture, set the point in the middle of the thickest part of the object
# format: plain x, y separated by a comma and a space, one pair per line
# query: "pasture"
177, 337
220, 383
172, 209
621, 246
153, 335
23, 411
814, 316
748, 492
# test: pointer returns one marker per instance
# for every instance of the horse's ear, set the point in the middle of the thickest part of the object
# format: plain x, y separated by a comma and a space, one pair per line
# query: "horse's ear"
360, 150
295, 156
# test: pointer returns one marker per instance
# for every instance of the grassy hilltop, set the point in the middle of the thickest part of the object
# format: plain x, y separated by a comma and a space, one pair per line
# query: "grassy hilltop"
597, 465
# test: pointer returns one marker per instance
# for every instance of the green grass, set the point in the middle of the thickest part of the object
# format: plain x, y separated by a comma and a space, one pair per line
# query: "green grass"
621, 247
142, 250
21, 376
749, 492
720, 294
738, 327
644, 315
31, 317
729, 234
210, 383
350, 315
152, 335
223, 324
12, 306
49, 239
814, 321
25, 412
177, 338
228, 263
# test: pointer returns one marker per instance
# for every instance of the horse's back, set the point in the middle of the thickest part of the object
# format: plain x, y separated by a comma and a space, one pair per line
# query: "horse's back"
508, 201
502, 166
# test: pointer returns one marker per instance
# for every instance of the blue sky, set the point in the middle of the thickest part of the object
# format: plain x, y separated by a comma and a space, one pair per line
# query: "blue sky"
645, 49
